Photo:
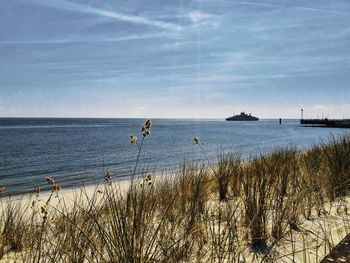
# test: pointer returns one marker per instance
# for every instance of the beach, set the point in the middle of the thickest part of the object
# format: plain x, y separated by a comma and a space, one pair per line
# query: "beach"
272, 208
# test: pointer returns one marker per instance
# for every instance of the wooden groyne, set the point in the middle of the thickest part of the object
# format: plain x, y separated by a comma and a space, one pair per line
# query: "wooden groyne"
341, 253
332, 123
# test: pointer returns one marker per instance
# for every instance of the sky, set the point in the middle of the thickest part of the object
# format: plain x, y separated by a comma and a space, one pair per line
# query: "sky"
174, 58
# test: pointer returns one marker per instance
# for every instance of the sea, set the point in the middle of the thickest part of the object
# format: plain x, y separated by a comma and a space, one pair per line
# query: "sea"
77, 152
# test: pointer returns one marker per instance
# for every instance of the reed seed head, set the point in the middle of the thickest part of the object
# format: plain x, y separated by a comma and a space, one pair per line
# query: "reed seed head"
133, 139
196, 140
148, 124
44, 210
145, 133
2, 189
149, 177
56, 187
50, 180
108, 177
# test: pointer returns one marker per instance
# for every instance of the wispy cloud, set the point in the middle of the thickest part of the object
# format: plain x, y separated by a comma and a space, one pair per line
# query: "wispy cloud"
203, 19
318, 107
328, 11
322, 10
83, 40
109, 14
328, 111
216, 78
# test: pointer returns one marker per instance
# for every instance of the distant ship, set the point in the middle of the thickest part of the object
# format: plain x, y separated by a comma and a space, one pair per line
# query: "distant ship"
242, 117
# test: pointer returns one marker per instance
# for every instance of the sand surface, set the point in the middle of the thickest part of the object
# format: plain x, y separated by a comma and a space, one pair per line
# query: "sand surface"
311, 243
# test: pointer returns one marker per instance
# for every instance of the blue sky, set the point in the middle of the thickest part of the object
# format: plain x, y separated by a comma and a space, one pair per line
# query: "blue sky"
174, 58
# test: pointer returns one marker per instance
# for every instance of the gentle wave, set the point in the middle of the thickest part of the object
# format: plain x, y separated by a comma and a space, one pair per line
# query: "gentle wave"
76, 151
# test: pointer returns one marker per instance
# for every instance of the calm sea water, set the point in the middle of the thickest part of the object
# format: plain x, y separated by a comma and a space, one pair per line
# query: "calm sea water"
78, 151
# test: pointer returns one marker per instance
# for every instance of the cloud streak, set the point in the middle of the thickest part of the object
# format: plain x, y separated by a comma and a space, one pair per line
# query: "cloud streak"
318, 10
110, 14
203, 19
80, 40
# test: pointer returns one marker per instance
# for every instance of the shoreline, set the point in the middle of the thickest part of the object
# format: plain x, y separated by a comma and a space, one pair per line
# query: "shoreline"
68, 196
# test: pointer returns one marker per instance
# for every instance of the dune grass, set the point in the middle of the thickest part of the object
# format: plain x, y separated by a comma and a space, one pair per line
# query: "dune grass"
271, 208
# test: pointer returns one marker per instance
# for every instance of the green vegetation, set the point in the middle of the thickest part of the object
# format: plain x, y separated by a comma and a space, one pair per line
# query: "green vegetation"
268, 209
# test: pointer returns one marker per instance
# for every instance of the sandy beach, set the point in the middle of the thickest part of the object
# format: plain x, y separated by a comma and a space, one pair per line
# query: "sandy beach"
313, 239
289, 206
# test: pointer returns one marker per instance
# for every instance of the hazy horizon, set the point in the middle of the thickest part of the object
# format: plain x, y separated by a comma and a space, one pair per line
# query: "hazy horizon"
174, 59
137, 118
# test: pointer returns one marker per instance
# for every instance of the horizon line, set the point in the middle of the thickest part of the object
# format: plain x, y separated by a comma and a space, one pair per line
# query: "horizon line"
77, 117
